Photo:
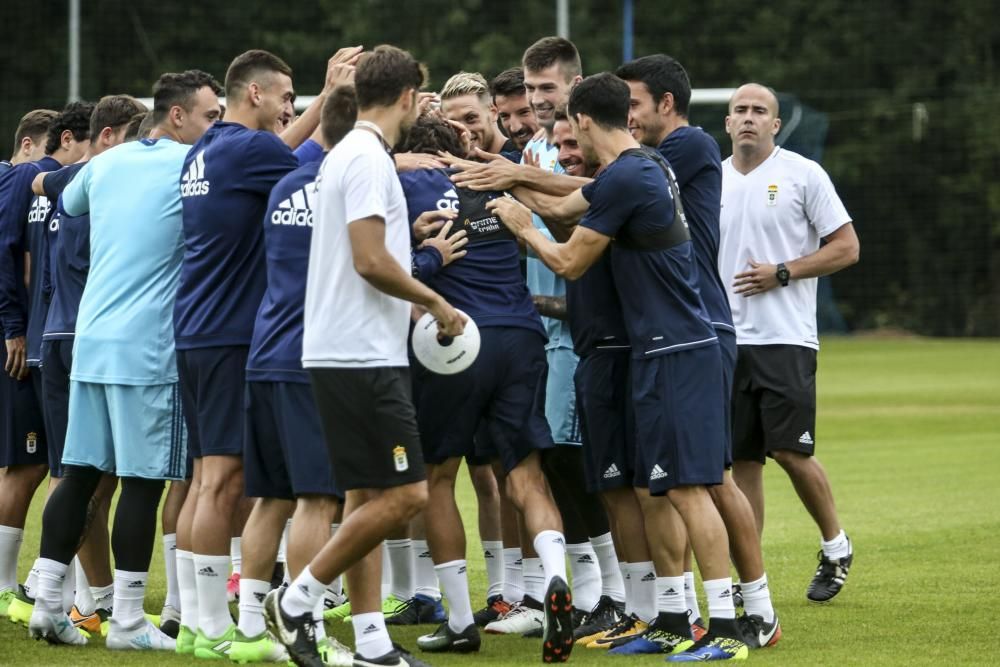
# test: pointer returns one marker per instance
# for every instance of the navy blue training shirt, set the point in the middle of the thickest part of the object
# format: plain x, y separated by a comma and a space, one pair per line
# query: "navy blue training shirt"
276, 350
694, 157
594, 309
68, 241
39, 214
658, 289
225, 182
15, 201
487, 283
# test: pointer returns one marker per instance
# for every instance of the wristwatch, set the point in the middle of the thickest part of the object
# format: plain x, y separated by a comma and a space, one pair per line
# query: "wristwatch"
783, 275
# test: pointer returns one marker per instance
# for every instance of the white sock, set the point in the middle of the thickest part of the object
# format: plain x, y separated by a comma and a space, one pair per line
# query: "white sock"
626, 569
84, 601
612, 583
302, 596
551, 548
534, 579
236, 554
31, 583
69, 587
513, 575
836, 548
493, 556
586, 575
337, 585
670, 595
455, 583
371, 639
720, 598
130, 591
644, 587
173, 598
49, 575
401, 563
757, 599
318, 618
252, 592
104, 596
10, 547
691, 598
386, 573
283, 547
188, 590
425, 579
210, 576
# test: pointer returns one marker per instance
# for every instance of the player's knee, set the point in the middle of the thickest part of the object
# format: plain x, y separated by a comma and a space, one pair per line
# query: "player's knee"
405, 502
790, 460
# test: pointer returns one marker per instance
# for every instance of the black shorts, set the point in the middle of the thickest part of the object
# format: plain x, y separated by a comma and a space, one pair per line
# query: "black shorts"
57, 358
370, 426
285, 455
604, 403
493, 409
774, 401
212, 383
22, 428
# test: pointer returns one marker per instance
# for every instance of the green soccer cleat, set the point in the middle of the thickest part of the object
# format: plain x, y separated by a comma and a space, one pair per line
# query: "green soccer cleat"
185, 641
262, 648
5, 599
390, 606
214, 648
19, 609
339, 613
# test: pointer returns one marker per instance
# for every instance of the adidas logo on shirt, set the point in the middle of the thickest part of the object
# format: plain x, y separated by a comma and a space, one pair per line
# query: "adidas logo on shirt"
657, 472
448, 201
297, 209
612, 472
805, 439
39, 209
193, 182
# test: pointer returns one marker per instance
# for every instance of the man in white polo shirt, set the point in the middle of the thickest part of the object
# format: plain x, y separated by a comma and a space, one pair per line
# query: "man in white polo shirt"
776, 208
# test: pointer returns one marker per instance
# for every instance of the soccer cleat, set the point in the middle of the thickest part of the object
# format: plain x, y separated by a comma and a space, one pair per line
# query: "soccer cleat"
444, 639
738, 595
334, 654
628, 626
143, 637
667, 634
54, 628
523, 617
332, 600
170, 621
712, 647
19, 609
494, 609
91, 624
601, 618
557, 638
5, 600
185, 641
757, 633
418, 610
262, 648
698, 629
830, 577
297, 633
214, 648
389, 607
577, 615
397, 657
233, 588
341, 612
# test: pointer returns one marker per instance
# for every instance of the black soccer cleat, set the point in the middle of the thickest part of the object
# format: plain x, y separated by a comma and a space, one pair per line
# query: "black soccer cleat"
557, 638
757, 633
495, 607
602, 617
397, 657
830, 577
418, 610
444, 639
297, 633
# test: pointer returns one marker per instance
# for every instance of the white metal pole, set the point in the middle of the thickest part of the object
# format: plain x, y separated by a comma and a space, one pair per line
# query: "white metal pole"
74, 50
562, 18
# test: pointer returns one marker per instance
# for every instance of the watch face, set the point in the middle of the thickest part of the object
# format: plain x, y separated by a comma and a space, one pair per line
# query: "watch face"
783, 275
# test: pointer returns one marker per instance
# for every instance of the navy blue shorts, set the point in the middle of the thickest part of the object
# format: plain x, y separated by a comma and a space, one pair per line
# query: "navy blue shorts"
212, 382
495, 408
604, 403
285, 455
680, 416
57, 361
22, 428
727, 347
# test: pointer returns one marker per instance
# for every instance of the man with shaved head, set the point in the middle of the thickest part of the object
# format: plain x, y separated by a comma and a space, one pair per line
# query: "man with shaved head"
777, 206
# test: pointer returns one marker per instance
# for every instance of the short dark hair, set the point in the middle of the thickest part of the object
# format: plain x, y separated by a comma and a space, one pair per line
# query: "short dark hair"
661, 74
509, 83
75, 117
604, 97
135, 125
248, 66
384, 73
114, 111
549, 51
339, 113
177, 89
33, 125
146, 126
431, 134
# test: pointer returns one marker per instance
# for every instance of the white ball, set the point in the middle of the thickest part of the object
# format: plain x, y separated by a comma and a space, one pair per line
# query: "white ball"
449, 356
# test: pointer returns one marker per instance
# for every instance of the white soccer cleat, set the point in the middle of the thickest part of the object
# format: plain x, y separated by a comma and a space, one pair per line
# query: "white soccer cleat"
143, 637
519, 620
54, 628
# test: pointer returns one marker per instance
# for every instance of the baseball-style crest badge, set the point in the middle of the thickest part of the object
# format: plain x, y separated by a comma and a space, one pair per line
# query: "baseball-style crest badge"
31, 442
772, 195
399, 458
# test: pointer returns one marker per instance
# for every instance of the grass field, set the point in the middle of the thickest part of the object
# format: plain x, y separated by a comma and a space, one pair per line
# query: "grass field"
909, 431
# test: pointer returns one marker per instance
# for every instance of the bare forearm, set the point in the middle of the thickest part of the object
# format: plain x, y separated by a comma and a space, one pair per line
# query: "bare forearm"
386, 275
551, 254
551, 306
830, 258
544, 181
546, 208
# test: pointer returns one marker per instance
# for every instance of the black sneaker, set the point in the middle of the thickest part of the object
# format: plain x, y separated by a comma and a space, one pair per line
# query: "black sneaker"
557, 640
298, 633
757, 633
495, 607
603, 616
397, 657
418, 610
830, 577
445, 639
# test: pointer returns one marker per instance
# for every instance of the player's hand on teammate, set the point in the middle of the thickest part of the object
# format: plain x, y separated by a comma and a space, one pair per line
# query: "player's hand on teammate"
450, 322
429, 222
759, 279
451, 247
428, 103
497, 174
414, 161
17, 358
531, 158
515, 215
340, 67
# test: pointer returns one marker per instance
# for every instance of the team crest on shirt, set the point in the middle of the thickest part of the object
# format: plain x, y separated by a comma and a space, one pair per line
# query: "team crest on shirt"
399, 458
31, 442
772, 195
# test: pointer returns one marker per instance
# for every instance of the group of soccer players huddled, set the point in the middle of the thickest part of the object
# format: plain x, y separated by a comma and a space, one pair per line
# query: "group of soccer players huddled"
220, 296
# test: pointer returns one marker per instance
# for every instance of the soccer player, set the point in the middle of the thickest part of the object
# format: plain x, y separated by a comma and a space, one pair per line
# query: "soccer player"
124, 413
227, 177
465, 99
777, 206
675, 354
514, 111
358, 285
